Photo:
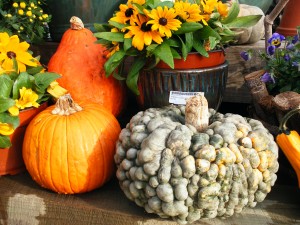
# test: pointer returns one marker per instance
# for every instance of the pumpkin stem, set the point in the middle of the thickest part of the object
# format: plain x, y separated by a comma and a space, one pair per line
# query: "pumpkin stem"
76, 23
65, 106
282, 126
196, 112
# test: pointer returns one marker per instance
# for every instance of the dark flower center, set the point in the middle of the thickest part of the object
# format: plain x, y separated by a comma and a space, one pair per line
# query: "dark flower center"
129, 12
146, 27
163, 21
11, 55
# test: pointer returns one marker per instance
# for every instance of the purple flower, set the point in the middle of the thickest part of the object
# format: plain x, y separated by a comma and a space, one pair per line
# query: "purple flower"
276, 39
267, 78
290, 47
295, 39
287, 57
246, 55
295, 64
271, 50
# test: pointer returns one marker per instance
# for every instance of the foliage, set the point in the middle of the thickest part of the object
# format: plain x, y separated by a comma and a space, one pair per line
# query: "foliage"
282, 58
25, 18
23, 84
154, 30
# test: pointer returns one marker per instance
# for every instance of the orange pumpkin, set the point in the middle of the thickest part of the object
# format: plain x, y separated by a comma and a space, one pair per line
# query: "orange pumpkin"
80, 61
69, 148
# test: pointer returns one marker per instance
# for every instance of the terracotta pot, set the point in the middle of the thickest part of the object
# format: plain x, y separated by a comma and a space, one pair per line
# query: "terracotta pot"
11, 160
290, 19
196, 74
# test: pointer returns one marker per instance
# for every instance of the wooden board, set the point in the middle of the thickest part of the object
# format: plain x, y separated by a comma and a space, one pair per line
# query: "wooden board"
23, 202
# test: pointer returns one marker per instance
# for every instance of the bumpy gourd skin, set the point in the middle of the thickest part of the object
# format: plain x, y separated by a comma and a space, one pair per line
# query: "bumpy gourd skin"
174, 171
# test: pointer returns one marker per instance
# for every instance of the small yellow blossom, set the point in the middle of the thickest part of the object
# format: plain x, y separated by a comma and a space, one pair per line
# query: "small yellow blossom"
21, 28
45, 16
32, 4
8, 15
14, 110
27, 99
23, 5
40, 18
15, 5
21, 12
31, 20
29, 13
56, 90
6, 129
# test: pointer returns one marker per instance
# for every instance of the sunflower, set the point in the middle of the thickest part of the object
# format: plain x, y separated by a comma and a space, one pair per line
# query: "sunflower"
163, 20
27, 99
188, 12
125, 14
11, 48
142, 33
222, 9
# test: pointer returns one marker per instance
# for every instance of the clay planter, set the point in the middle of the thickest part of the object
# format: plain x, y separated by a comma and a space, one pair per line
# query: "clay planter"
11, 160
196, 74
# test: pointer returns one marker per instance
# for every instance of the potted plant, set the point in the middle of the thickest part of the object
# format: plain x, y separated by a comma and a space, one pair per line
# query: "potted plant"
156, 32
25, 88
25, 18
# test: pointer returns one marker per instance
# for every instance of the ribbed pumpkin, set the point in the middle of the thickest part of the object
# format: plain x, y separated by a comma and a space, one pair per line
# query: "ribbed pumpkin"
69, 148
80, 61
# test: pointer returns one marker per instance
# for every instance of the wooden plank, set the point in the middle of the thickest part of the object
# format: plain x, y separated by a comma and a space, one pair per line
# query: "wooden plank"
22, 201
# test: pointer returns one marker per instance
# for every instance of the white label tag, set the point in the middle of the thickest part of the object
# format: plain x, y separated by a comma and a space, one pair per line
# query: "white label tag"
179, 97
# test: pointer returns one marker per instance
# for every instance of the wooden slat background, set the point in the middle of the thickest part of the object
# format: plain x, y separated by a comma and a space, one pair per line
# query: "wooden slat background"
23, 202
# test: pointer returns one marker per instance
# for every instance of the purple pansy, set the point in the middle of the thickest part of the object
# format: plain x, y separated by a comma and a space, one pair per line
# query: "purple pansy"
246, 55
271, 50
276, 40
267, 78
295, 39
287, 57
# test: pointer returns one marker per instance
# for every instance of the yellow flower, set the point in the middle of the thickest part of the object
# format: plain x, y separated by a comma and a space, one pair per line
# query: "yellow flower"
32, 4
21, 12
56, 90
29, 13
27, 99
11, 47
164, 20
140, 2
6, 129
188, 12
222, 9
209, 6
23, 5
8, 15
45, 16
125, 14
142, 33
15, 5
14, 110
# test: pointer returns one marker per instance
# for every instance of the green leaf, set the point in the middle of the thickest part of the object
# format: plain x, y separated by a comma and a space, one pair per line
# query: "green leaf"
127, 44
113, 62
212, 42
172, 42
15, 64
23, 80
199, 47
232, 14
110, 36
184, 50
169, 4
101, 27
244, 21
5, 104
6, 85
35, 70
133, 74
120, 26
43, 80
188, 27
189, 41
207, 32
5, 117
163, 52
4, 142
118, 76
175, 54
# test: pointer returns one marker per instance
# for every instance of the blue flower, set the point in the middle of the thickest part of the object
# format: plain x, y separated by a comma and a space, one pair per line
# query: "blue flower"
276, 40
295, 39
267, 78
287, 57
295, 64
271, 50
246, 55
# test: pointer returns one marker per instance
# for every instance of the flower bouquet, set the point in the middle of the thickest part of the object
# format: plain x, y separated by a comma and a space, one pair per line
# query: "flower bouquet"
150, 31
23, 84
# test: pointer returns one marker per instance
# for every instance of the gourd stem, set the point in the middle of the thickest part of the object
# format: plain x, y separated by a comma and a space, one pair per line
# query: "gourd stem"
286, 117
65, 106
76, 23
196, 112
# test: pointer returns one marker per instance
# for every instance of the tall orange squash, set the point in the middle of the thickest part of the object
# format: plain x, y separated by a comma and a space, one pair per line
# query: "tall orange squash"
80, 61
69, 148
